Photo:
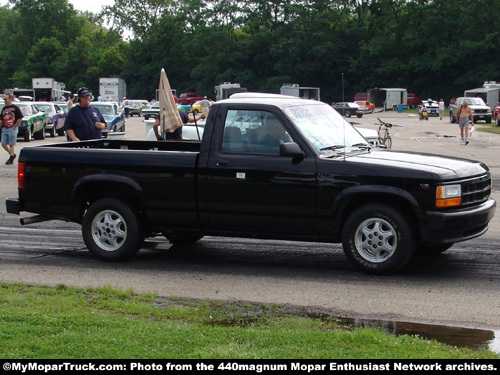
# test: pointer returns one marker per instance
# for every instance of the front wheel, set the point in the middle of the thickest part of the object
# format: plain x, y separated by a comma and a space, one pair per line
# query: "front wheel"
388, 142
112, 230
378, 239
359, 115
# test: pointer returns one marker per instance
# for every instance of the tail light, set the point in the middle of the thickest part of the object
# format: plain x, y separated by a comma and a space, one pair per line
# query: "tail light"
20, 174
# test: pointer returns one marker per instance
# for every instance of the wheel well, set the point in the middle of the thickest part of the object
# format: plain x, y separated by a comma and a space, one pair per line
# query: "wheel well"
394, 201
93, 191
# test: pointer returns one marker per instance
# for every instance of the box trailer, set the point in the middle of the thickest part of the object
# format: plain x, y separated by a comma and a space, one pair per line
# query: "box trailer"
294, 89
47, 89
112, 89
490, 95
388, 98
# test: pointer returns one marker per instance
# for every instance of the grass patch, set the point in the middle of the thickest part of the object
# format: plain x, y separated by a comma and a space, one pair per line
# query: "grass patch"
66, 322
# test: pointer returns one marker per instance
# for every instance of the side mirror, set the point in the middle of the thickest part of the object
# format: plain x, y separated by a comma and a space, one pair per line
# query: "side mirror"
292, 149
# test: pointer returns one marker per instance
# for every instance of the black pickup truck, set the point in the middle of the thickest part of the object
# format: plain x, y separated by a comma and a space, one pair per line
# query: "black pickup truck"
268, 166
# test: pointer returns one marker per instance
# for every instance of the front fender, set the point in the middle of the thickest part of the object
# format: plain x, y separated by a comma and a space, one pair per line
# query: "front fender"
362, 194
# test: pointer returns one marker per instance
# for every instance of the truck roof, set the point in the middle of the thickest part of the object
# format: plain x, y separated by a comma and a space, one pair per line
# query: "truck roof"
269, 99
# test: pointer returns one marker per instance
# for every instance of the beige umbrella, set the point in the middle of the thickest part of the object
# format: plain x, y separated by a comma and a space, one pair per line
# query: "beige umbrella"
169, 114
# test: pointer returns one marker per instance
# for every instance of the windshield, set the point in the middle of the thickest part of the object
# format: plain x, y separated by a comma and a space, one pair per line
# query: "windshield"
43, 108
104, 109
475, 101
324, 128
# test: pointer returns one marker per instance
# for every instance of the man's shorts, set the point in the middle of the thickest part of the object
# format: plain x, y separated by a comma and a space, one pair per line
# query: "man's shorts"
9, 136
463, 122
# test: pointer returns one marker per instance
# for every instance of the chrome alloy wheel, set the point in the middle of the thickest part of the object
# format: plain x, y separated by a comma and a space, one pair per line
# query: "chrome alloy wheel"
109, 230
375, 240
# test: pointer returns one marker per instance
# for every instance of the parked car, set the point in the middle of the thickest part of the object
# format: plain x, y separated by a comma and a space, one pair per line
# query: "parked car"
189, 97
432, 107
413, 100
365, 106
64, 106
152, 111
348, 109
480, 110
34, 121
360, 96
55, 125
496, 114
136, 107
184, 107
115, 118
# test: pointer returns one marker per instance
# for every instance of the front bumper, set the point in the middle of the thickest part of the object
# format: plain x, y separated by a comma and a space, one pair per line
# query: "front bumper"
456, 226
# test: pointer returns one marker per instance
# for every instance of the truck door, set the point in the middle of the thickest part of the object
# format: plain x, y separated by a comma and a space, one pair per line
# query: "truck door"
250, 187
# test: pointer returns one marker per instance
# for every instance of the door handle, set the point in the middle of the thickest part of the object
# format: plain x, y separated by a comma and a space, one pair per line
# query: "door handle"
221, 163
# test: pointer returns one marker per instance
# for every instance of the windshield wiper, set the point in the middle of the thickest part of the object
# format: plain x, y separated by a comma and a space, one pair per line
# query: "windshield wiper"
332, 148
362, 145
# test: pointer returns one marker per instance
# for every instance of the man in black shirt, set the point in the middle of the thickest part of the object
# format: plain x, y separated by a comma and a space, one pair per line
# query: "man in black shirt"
10, 118
83, 121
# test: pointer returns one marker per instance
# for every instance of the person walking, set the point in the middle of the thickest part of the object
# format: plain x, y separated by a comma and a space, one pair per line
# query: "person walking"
83, 121
441, 108
10, 118
71, 101
126, 105
464, 119
205, 106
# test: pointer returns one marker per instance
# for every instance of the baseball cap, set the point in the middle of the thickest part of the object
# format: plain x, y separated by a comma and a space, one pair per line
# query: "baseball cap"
83, 91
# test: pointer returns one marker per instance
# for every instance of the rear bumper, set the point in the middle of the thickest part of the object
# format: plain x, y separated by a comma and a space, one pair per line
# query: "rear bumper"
451, 227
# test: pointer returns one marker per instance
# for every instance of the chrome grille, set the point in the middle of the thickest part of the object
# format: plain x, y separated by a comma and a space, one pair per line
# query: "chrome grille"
476, 191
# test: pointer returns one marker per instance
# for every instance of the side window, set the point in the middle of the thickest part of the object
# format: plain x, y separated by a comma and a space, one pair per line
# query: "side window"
253, 132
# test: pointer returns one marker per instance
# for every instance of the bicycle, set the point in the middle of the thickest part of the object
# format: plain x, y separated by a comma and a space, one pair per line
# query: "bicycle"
384, 138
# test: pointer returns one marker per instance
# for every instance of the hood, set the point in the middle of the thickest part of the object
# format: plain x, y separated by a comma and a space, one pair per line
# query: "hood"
409, 164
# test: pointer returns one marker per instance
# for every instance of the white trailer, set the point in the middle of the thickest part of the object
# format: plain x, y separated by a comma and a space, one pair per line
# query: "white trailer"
294, 89
490, 95
112, 89
47, 89
388, 97
226, 89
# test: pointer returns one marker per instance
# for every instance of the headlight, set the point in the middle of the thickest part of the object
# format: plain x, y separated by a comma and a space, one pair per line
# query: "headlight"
449, 195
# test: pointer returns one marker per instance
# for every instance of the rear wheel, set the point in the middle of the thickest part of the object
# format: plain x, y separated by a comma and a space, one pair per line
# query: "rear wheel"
348, 114
112, 230
378, 239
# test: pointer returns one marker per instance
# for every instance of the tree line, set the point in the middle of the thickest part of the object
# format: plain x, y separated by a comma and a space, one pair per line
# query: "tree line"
436, 48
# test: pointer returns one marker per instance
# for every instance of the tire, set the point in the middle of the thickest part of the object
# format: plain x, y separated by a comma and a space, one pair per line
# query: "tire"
452, 119
394, 246
27, 135
348, 114
497, 123
388, 142
53, 132
39, 135
488, 120
195, 112
112, 230
359, 115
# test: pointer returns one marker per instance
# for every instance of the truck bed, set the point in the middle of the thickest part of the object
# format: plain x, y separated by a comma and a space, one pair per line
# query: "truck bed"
163, 179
